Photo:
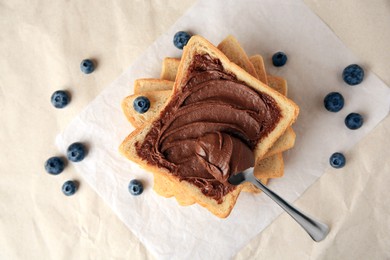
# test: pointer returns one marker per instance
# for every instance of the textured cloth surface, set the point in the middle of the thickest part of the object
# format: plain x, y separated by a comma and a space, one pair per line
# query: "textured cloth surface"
41, 46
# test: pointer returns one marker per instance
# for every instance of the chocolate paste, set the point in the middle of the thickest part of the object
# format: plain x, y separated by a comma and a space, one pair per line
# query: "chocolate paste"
209, 129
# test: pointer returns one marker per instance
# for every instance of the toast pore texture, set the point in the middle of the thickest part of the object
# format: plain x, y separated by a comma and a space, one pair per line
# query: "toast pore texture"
258, 64
157, 100
235, 53
277, 83
147, 85
270, 167
169, 68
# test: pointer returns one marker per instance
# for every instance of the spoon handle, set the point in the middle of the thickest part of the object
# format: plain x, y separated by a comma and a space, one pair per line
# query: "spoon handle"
316, 229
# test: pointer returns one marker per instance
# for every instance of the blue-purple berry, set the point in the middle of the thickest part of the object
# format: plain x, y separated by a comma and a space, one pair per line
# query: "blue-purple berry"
60, 99
141, 104
334, 102
54, 165
135, 187
353, 74
337, 160
354, 121
180, 39
76, 152
69, 188
279, 59
87, 66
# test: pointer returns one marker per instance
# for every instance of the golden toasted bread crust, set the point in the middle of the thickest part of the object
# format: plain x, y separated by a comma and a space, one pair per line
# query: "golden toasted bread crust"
235, 53
148, 85
157, 100
277, 83
258, 64
169, 68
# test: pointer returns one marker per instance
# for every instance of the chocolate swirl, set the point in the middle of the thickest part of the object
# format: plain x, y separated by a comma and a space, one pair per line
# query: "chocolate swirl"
209, 128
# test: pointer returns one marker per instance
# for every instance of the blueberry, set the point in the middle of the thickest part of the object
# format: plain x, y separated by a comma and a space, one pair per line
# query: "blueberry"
181, 39
60, 99
353, 74
354, 121
76, 152
141, 104
54, 165
87, 66
279, 59
337, 160
136, 187
334, 102
69, 188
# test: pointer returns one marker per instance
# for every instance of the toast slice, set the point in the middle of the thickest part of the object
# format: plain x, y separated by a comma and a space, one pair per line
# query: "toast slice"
166, 188
270, 167
236, 55
258, 64
169, 68
233, 50
157, 100
148, 85
198, 46
277, 83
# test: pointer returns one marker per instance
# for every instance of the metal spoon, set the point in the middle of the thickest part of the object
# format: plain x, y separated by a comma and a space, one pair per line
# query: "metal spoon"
316, 229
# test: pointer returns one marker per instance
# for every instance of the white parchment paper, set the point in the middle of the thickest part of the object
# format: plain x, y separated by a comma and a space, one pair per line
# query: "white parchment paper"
316, 58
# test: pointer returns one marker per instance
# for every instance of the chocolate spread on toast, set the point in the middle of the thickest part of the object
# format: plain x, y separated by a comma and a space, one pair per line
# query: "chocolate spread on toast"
210, 128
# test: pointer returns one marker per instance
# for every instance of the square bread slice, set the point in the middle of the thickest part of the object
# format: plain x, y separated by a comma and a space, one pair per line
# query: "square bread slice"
288, 113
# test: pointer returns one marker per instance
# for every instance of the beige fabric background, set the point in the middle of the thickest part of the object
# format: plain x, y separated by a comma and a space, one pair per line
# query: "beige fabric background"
41, 46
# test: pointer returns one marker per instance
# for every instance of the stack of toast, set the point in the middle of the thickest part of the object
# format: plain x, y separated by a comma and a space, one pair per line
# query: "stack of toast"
161, 92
